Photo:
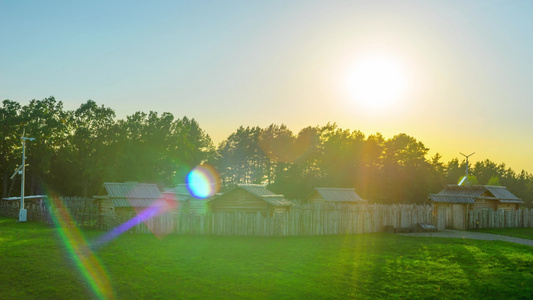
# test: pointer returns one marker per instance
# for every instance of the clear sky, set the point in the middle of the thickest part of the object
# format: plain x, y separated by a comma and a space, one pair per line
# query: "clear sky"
456, 75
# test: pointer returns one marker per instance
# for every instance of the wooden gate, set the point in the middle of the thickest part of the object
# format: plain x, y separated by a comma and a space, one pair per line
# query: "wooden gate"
459, 216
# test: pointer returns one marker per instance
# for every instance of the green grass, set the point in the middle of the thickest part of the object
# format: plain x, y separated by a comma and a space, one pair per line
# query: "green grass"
525, 233
35, 265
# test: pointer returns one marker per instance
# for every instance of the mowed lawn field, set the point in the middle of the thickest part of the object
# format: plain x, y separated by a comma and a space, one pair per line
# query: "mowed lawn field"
35, 263
525, 233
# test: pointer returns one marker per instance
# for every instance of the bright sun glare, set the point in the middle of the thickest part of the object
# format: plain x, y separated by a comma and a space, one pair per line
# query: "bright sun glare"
377, 81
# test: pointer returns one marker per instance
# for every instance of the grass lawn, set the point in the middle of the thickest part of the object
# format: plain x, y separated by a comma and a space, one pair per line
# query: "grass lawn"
525, 233
35, 264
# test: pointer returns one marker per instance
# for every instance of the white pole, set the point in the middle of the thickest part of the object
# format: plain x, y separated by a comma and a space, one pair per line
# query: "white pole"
21, 217
23, 212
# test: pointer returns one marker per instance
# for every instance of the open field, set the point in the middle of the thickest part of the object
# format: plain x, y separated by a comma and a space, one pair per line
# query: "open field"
37, 264
525, 233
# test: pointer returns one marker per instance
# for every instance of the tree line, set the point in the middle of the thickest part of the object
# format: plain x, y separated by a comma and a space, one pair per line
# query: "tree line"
76, 151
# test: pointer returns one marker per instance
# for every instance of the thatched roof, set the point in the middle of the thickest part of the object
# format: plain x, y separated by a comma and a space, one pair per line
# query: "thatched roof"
339, 194
468, 194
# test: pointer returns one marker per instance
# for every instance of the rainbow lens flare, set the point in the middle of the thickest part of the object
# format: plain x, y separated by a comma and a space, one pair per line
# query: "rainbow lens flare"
77, 247
203, 181
157, 208
82, 253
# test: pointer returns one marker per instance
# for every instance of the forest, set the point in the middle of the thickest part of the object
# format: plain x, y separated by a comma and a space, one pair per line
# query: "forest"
75, 152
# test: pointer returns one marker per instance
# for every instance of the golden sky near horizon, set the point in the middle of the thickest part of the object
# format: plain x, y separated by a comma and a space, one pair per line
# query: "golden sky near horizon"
455, 75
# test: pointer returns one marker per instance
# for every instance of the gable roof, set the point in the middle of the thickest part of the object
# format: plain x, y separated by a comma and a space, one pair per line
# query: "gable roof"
339, 194
452, 198
131, 194
132, 190
181, 191
262, 193
501, 192
467, 194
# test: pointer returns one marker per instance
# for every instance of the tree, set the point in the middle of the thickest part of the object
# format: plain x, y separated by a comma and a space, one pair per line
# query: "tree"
86, 158
404, 170
240, 159
485, 170
494, 181
46, 121
10, 131
278, 145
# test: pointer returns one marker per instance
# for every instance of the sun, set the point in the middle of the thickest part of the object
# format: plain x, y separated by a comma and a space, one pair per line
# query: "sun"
377, 81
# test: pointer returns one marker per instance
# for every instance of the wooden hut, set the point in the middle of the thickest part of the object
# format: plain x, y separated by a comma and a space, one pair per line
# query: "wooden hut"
250, 198
186, 203
125, 199
453, 203
335, 195
30, 202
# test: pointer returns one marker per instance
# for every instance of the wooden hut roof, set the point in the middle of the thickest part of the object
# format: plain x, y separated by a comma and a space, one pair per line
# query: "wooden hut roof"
501, 192
339, 194
181, 191
131, 194
262, 193
451, 198
463, 190
34, 197
467, 194
132, 190
126, 202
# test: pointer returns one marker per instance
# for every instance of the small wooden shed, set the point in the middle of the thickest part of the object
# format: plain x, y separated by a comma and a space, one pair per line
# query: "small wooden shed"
30, 202
124, 199
186, 203
453, 203
250, 198
335, 195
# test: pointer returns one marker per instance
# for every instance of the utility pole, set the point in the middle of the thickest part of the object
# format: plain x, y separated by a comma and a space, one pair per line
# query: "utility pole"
23, 212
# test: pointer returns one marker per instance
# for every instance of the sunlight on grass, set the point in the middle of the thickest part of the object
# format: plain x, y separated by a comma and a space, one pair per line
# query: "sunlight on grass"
366, 266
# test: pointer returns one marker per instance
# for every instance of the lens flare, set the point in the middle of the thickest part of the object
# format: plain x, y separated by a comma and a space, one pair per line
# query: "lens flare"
86, 261
157, 208
203, 181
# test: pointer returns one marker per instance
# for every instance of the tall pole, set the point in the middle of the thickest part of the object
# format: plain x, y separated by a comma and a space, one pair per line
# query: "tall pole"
22, 214
21, 217
467, 156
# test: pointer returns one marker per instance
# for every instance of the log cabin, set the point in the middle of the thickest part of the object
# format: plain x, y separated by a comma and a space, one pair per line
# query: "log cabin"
186, 203
335, 195
129, 198
251, 198
452, 204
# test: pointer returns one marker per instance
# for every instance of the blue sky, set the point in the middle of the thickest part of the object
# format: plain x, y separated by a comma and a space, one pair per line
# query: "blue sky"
252, 63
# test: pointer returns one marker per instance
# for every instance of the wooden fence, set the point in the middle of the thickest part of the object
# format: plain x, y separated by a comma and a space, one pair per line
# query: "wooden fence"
302, 220
80, 212
500, 218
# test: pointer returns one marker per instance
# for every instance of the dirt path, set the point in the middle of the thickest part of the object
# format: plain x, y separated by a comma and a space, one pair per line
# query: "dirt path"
473, 235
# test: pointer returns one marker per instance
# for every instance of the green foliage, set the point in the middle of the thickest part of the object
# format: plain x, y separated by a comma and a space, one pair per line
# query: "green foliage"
494, 180
364, 266
76, 151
